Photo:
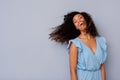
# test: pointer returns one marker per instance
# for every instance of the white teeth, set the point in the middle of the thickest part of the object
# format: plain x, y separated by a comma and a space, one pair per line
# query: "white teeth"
81, 23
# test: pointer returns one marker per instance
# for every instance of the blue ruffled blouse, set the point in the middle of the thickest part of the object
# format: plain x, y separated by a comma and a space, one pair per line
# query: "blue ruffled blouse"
88, 63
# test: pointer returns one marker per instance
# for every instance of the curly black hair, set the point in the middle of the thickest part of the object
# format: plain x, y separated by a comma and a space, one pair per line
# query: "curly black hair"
66, 31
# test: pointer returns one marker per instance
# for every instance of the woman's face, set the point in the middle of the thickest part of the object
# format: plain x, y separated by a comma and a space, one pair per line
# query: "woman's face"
79, 22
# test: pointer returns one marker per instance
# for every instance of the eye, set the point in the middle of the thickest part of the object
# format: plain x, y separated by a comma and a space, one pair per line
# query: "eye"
74, 21
80, 16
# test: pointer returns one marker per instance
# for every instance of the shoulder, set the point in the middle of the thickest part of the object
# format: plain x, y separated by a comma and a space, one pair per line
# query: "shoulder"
75, 41
102, 42
101, 39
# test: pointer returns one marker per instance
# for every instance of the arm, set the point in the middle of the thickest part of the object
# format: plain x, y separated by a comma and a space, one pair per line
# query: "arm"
73, 61
102, 68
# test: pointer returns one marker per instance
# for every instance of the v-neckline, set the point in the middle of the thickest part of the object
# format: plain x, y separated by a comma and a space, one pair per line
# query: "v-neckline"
94, 53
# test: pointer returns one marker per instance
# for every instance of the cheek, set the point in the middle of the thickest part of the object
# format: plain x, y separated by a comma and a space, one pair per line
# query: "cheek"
76, 26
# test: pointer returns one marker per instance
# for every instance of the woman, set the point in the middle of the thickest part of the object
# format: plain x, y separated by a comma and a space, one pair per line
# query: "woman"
87, 50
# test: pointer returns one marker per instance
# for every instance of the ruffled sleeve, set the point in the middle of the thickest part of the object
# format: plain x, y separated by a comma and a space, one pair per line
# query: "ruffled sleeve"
103, 45
76, 42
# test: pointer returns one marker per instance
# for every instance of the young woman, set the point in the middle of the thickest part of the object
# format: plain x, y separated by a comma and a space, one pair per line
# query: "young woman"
87, 49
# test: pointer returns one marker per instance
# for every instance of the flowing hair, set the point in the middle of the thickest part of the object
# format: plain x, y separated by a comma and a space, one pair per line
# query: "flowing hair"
66, 31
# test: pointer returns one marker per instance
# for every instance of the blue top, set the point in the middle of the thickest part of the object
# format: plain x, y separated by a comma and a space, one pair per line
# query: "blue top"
88, 63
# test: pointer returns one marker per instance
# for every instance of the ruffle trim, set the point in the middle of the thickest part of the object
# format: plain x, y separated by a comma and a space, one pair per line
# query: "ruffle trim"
76, 42
103, 43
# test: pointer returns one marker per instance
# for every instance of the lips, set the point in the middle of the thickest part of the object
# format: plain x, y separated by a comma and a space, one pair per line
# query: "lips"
81, 23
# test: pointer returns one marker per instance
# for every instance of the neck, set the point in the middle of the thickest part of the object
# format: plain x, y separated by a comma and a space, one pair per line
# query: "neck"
85, 35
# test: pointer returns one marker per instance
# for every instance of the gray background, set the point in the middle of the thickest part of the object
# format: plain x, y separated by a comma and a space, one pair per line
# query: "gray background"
26, 53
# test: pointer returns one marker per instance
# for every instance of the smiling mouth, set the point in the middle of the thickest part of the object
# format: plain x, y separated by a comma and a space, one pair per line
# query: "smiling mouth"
81, 23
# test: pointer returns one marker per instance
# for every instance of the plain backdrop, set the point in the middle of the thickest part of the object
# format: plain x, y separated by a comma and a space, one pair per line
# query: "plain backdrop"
26, 53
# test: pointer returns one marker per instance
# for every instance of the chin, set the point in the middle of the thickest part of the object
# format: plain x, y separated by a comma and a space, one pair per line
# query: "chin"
82, 29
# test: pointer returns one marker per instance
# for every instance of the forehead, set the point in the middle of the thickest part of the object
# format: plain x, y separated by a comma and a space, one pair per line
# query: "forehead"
76, 16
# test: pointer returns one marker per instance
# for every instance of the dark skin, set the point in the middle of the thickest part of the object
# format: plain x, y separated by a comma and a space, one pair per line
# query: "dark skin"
88, 40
